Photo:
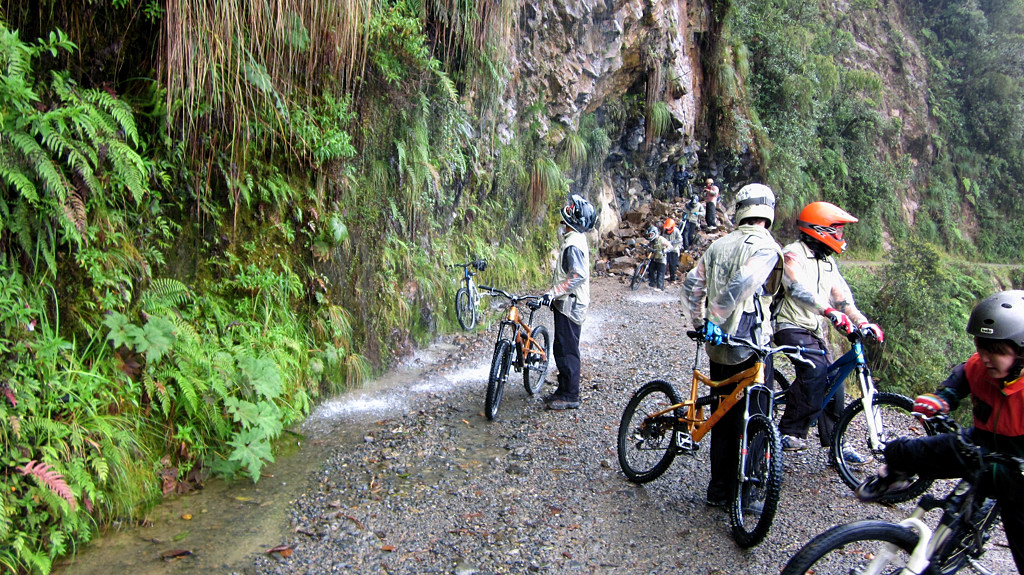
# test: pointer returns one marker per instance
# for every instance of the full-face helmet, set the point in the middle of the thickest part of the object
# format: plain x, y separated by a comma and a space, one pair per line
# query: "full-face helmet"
670, 226
579, 214
824, 222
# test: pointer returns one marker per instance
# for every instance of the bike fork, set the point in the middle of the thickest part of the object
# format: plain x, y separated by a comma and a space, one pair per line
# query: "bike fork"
873, 417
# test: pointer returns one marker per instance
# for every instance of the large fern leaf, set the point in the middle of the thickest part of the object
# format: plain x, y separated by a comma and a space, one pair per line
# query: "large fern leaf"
51, 479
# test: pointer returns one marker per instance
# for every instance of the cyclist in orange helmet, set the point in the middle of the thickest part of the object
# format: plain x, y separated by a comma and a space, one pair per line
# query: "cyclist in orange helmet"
675, 238
815, 291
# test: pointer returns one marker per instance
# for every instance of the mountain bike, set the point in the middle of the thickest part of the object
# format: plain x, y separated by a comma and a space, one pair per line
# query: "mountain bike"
911, 546
657, 425
866, 424
640, 274
467, 298
520, 346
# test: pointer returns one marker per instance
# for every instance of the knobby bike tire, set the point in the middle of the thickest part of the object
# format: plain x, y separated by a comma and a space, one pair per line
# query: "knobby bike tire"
850, 548
634, 283
757, 496
647, 446
851, 432
465, 309
499, 373
535, 368
964, 542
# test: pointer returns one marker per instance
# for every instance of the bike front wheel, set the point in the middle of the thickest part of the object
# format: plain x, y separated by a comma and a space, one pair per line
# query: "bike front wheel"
499, 373
647, 443
852, 453
757, 491
535, 366
875, 547
638, 277
465, 309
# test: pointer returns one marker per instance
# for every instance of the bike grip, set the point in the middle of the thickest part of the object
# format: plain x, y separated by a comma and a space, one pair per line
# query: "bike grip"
692, 334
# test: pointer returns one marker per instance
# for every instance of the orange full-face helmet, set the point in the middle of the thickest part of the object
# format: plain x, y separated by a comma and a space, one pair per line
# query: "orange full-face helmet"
670, 226
824, 222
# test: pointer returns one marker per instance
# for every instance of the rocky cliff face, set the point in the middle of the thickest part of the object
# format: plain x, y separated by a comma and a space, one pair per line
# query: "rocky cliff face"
576, 56
580, 56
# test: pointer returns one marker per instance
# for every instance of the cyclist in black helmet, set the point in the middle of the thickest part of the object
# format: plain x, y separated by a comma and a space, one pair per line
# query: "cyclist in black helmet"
569, 299
993, 378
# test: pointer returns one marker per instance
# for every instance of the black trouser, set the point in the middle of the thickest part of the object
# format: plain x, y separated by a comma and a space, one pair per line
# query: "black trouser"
725, 435
689, 234
805, 396
938, 457
656, 275
710, 213
673, 265
566, 349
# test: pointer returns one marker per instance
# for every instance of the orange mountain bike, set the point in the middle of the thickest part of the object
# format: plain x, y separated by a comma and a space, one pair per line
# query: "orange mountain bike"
657, 425
519, 345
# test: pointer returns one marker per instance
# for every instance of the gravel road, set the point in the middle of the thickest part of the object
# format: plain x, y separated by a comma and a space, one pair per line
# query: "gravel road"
436, 488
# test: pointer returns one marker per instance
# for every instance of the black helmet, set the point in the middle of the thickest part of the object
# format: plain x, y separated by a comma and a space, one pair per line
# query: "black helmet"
999, 316
578, 214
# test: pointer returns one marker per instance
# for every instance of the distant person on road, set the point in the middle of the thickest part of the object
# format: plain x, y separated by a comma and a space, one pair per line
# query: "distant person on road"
730, 291
711, 203
993, 379
675, 238
659, 248
694, 213
569, 299
815, 291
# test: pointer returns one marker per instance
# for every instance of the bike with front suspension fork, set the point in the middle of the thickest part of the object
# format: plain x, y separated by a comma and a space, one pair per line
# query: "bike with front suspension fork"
641, 273
521, 346
912, 546
467, 298
867, 423
657, 425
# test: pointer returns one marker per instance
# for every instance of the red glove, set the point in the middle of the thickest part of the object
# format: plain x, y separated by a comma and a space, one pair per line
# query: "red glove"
838, 319
872, 329
930, 405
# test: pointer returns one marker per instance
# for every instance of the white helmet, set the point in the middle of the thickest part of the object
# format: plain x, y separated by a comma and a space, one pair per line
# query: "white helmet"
755, 201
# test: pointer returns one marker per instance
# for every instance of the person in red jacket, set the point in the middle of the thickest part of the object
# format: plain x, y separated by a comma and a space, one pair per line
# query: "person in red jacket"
993, 378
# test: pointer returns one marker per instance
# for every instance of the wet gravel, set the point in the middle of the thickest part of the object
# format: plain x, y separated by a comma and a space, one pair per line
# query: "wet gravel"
436, 488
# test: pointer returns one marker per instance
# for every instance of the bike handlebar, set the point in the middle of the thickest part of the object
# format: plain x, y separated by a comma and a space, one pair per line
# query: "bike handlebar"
946, 424
764, 350
515, 298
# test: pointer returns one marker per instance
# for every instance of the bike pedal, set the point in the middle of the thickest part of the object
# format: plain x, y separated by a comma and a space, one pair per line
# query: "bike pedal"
684, 443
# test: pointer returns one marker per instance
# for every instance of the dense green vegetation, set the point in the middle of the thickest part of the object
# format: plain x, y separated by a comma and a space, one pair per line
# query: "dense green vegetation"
189, 259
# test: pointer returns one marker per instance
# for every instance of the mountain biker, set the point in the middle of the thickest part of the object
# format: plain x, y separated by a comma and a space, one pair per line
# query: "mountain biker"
815, 292
711, 203
732, 286
694, 212
675, 238
659, 247
993, 378
569, 299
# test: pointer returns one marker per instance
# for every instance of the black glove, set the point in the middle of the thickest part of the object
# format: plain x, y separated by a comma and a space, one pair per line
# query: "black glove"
545, 299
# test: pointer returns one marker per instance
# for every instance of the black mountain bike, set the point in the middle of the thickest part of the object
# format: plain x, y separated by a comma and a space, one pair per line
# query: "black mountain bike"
911, 546
640, 274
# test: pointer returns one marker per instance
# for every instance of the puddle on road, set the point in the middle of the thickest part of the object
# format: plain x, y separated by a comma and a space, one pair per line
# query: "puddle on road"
226, 525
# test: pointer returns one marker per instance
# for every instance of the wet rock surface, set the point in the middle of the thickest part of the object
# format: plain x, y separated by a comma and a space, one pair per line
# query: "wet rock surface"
434, 487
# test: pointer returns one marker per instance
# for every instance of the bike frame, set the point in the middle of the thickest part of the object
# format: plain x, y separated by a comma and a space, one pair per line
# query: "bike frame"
836, 375
521, 329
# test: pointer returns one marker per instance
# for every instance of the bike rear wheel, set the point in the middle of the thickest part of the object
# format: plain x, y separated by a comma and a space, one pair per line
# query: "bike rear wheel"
535, 367
465, 309
646, 444
852, 548
757, 494
894, 414
499, 374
